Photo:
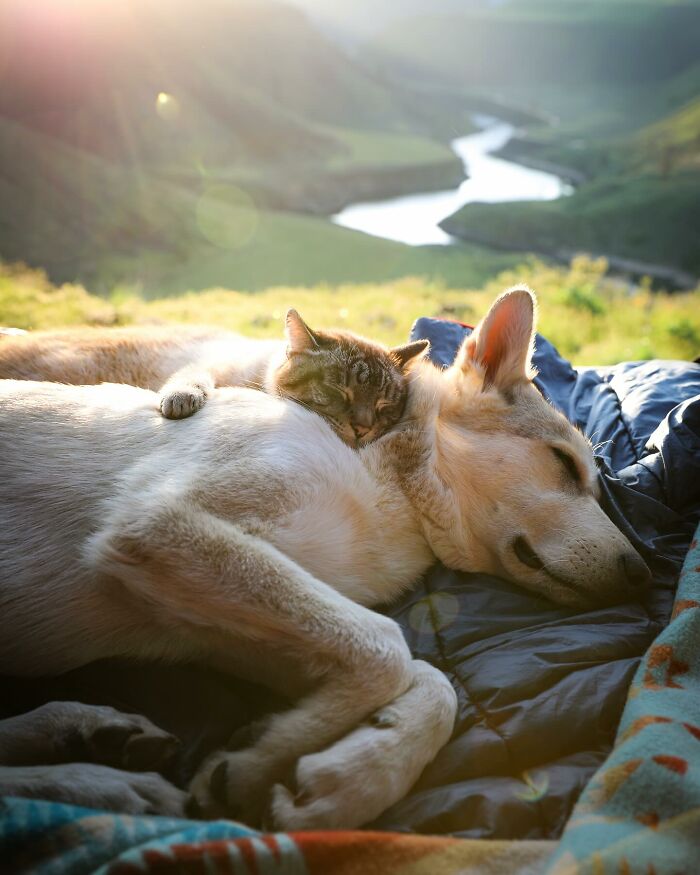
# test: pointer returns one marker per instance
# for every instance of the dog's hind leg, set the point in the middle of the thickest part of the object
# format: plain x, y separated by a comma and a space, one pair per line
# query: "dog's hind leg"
37, 750
94, 786
207, 572
62, 732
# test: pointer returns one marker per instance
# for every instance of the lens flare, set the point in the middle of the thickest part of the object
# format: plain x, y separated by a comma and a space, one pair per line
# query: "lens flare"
227, 216
167, 106
536, 787
434, 612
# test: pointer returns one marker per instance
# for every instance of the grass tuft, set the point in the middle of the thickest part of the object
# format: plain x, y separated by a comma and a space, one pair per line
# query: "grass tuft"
591, 318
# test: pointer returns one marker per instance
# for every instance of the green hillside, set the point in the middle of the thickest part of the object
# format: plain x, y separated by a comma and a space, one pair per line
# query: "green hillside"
615, 85
641, 196
129, 113
651, 219
104, 226
670, 144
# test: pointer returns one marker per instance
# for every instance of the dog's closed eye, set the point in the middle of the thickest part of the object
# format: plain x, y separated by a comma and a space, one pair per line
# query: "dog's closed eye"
569, 464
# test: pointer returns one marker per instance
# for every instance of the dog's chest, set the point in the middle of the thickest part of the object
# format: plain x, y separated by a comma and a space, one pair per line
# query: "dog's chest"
355, 536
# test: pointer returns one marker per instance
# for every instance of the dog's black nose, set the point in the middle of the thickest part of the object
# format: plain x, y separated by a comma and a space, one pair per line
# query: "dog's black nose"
635, 573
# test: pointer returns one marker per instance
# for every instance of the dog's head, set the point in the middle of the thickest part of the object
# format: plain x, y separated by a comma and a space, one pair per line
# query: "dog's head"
521, 479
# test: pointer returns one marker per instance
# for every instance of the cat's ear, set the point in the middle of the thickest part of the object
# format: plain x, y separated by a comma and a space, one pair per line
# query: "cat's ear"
299, 336
402, 355
500, 348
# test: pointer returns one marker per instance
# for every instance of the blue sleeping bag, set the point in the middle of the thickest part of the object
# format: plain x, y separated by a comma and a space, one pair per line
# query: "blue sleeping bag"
541, 688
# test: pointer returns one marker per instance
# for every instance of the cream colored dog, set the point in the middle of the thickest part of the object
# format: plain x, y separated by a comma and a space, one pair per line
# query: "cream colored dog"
251, 538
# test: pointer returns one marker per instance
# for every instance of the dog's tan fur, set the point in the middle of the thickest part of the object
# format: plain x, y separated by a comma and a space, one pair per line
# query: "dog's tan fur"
250, 536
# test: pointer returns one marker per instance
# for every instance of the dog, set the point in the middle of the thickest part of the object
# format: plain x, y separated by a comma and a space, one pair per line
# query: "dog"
249, 537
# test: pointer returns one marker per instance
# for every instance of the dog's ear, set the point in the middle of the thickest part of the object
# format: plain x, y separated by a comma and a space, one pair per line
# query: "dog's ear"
500, 347
299, 336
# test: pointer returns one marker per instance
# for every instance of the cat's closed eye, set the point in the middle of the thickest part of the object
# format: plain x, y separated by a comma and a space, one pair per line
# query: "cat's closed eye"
332, 399
386, 408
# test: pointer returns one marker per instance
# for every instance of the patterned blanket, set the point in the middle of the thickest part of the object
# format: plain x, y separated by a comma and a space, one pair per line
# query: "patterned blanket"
45, 838
640, 814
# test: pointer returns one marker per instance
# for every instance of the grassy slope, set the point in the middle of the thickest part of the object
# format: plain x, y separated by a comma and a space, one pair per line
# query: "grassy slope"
387, 150
673, 143
93, 174
628, 130
301, 250
96, 222
590, 318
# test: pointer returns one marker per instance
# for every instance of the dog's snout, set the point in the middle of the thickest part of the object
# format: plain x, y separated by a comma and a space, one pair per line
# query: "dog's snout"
635, 572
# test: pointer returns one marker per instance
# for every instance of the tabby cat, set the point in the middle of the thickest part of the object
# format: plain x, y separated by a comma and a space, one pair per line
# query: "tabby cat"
357, 385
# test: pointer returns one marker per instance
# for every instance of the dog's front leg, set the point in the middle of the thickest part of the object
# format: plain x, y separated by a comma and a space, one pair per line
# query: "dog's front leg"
354, 780
205, 571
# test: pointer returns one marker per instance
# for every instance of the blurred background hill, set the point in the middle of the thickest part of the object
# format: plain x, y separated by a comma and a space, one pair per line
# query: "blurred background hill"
168, 147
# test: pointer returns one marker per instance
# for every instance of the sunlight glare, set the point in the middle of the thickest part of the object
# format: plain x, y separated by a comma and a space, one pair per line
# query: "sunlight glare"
167, 106
227, 216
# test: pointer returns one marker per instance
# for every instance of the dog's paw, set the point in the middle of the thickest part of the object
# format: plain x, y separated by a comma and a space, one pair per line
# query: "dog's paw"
183, 402
330, 792
362, 774
100, 734
235, 785
152, 794
351, 782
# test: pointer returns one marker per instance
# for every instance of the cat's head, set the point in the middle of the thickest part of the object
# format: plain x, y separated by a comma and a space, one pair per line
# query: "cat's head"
357, 385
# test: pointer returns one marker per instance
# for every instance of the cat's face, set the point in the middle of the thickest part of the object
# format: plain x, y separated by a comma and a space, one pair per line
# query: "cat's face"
358, 386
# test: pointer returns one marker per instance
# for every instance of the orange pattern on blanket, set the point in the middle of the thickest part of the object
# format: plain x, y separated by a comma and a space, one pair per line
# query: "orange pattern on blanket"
684, 605
641, 723
347, 853
608, 782
662, 667
673, 764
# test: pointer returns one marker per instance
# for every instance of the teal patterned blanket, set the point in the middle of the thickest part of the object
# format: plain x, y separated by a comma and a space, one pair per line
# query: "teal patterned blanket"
640, 813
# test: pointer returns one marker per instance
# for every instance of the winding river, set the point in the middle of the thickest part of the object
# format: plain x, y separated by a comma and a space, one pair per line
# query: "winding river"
415, 219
